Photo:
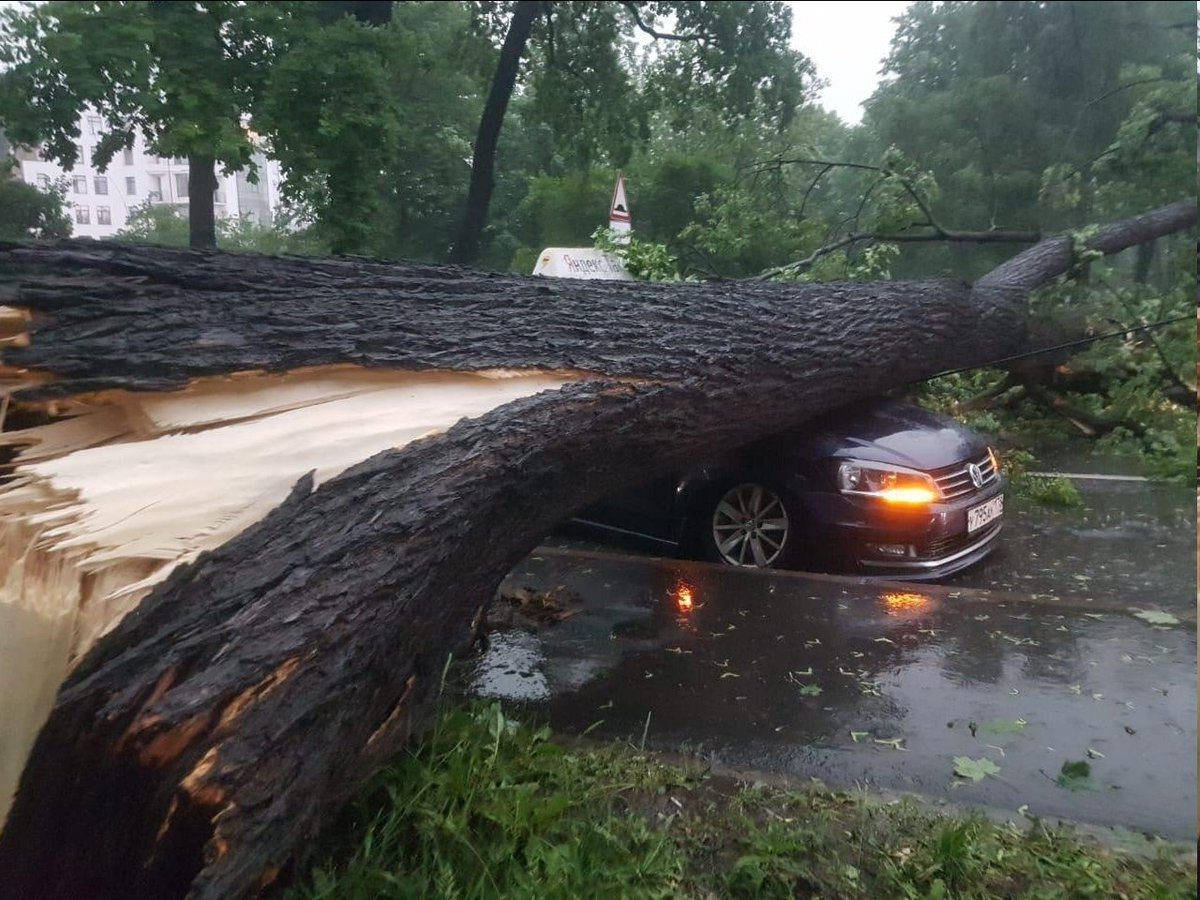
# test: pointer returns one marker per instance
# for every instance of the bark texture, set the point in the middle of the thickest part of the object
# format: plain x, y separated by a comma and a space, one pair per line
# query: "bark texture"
202, 188
200, 744
483, 163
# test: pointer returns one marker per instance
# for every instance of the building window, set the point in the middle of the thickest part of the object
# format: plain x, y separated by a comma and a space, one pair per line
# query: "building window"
131, 185
129, 156
178, 161
181, 185
94, 124
218, 196
43, 182
103, 215
80, 184
100, 184
82, 216
156, 187
80, 155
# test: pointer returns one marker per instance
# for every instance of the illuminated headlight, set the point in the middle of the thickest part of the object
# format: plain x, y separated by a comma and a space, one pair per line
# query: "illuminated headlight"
892, 485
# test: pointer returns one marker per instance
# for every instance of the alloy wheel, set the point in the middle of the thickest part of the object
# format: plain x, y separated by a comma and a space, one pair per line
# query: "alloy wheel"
750, 526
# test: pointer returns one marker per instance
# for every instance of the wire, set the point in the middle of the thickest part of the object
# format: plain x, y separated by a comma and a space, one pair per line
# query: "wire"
1162, 323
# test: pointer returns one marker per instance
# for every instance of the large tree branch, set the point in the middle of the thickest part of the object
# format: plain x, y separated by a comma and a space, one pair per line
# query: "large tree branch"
1054, 256
653, 32
926, 230
997, 236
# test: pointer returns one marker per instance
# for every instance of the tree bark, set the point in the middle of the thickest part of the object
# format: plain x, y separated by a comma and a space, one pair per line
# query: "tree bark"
202, 187
483, 163
202, 743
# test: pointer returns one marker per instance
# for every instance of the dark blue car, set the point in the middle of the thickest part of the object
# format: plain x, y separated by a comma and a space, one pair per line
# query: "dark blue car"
882, 489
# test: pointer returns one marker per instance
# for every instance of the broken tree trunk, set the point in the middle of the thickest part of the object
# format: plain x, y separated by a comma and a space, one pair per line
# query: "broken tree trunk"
205, 738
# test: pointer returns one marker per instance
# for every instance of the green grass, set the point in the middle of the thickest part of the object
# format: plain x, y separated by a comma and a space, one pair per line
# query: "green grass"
483, 807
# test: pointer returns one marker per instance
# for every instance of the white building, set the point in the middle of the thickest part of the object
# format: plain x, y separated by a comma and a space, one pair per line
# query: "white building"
99, 203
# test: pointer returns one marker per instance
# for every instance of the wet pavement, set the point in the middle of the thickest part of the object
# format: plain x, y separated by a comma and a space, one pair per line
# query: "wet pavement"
868, 684
1131, 541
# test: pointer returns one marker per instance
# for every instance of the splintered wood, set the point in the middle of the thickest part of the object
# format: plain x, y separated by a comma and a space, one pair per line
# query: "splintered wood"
106, 501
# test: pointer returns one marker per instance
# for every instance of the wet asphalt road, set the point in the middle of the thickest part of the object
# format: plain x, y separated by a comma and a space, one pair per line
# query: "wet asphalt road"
880, 685
1131, 541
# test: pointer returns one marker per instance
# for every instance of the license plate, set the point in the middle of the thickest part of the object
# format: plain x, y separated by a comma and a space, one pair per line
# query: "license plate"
978, 516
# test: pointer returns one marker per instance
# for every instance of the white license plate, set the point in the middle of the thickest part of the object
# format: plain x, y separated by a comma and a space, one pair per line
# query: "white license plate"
978, 516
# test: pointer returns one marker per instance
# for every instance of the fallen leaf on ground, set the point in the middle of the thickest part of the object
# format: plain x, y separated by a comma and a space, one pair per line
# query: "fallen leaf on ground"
1156, 617
974, 769
1075, 775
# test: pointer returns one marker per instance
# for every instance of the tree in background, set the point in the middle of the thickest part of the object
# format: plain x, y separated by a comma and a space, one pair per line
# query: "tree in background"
594, 104
1010, 106
27, 212
184, 75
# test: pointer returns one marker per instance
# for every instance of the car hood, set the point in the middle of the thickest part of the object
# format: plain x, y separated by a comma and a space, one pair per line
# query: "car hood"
888, 431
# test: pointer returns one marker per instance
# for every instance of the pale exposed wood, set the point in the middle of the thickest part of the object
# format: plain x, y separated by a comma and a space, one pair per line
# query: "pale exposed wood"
109, 501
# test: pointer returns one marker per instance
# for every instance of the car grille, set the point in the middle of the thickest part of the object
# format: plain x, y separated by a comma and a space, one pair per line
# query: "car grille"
946, 546
955, 481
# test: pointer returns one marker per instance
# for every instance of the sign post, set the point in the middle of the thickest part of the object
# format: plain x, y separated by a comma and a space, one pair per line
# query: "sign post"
619, 221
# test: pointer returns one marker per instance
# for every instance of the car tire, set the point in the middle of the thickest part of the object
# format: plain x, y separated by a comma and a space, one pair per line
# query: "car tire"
750, 524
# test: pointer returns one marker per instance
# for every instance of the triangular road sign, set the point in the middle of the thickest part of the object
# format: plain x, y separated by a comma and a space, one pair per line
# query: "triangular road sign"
618, 213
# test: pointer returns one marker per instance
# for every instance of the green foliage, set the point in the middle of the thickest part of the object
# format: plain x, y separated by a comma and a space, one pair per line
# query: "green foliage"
182, 74
373, 126
1056, 491
156, 223
328, 102
565, 210
1018, 111
581, 90
737, 236
27, 212
484, 807
644, 260
742, 65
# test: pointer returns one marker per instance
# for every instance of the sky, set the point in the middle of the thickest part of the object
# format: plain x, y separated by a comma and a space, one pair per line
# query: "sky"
846, 42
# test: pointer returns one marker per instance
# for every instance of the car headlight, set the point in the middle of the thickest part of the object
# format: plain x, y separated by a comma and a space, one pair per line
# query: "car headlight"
892, 485
995, 458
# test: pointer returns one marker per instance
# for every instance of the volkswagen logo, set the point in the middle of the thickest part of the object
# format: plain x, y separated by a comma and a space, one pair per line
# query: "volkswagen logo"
976, 475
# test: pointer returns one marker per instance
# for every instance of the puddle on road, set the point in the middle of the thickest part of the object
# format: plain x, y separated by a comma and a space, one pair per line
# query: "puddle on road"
864, 684
33, 661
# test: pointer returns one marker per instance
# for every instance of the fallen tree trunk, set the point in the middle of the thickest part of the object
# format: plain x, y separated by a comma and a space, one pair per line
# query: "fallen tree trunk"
204, 739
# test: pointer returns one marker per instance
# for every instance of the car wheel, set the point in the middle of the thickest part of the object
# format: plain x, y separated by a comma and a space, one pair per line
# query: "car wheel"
750, 525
